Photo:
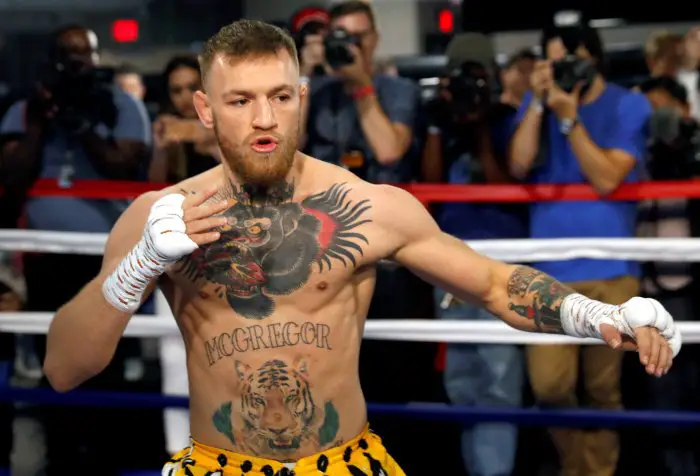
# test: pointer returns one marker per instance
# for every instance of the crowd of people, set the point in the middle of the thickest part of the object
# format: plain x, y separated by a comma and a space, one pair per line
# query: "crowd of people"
527, 120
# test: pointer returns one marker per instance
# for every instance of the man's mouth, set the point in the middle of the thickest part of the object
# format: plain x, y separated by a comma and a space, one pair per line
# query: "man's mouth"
264, 144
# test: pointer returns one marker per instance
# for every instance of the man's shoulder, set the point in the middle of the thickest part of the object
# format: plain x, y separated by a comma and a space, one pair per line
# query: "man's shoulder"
123, 100
396, 85
16, 108
624, 97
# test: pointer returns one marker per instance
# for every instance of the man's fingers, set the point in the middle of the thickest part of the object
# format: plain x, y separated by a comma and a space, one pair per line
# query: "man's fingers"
196, 198
664, 360
611, 335
204, 211
643, 337
654, 352
205, 238
205, 224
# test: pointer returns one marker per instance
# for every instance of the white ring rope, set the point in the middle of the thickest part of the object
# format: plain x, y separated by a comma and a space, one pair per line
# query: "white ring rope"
512, 251
414, 330
484, 332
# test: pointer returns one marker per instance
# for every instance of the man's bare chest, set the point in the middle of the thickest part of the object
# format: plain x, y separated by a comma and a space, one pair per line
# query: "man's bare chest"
269, 252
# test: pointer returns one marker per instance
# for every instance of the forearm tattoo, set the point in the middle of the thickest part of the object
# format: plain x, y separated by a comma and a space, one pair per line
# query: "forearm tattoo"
537, 296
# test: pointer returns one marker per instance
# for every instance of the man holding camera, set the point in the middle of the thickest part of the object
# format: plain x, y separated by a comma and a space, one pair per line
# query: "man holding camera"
356, 118
76, 125
576, 128
467, 142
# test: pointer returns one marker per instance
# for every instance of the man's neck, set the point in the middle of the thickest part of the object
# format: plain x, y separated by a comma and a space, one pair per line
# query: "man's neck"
594, 92
264, 195
254, 195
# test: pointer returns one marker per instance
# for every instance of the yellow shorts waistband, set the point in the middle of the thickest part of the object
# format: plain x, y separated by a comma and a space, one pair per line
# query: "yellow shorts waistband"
204, 455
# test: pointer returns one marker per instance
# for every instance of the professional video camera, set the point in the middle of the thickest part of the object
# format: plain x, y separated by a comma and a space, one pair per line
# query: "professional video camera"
337, 46
82, 95
573, 70
469, 89
468, 97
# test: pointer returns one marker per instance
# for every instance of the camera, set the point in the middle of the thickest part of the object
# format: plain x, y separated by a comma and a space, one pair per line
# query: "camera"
83, 95
337, 46
572, 70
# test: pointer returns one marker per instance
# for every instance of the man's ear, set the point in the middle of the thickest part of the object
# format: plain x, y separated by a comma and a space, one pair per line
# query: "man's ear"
201, 104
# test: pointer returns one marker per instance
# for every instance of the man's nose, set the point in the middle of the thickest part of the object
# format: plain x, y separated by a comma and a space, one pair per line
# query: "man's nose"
264, 116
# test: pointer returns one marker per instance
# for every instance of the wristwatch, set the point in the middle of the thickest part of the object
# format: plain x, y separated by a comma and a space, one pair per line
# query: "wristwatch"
567, 125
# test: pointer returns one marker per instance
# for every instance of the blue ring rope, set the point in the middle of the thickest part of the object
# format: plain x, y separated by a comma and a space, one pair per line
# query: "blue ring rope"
423, 411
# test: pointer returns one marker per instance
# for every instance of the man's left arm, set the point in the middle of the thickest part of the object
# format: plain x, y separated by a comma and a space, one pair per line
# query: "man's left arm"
121, 154
389, 133
523, 297
606, 166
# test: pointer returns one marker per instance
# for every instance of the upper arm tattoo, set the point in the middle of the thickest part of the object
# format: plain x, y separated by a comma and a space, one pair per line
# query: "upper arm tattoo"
271, 245
537, 296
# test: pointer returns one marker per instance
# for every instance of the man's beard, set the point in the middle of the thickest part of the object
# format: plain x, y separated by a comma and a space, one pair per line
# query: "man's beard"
256, 168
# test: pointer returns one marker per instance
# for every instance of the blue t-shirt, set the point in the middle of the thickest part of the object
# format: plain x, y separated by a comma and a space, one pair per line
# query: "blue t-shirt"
477, 221
76, 214
618, 119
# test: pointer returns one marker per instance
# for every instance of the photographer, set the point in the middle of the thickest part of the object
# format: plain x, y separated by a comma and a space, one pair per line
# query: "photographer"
76, 125
467, 143
675, 141
356, 118
309, 27
576, 128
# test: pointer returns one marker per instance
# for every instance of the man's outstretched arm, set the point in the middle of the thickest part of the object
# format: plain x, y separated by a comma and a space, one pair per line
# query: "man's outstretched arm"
523, 297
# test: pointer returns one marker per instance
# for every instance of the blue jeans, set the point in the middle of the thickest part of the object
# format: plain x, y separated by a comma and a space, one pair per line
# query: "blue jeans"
488, 376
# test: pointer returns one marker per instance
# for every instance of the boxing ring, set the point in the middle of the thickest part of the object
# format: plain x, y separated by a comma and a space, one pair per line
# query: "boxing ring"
161, 325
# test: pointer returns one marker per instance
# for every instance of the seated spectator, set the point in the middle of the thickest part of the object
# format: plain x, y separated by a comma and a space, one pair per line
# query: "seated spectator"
182, 147
357, 118
588, 132
467, 143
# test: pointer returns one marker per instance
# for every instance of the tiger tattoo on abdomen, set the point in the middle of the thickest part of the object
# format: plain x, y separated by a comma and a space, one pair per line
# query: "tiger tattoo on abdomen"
277, 411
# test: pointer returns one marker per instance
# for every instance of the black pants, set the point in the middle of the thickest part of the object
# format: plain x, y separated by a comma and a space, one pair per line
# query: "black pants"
89, 440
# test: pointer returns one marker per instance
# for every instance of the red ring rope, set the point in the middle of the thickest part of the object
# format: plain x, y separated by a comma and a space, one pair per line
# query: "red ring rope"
426, 193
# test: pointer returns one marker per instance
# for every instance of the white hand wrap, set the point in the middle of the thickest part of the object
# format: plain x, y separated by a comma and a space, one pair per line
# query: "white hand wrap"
582, 317
163, 243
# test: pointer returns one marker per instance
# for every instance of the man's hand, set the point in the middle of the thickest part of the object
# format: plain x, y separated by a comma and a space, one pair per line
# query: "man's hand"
355, 73
562, 103
541, 78
644, 325
179, 223
312, 54
40, 107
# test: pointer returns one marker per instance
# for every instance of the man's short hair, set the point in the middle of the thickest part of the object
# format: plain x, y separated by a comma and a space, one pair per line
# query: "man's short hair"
125, 69
523, 54
351, 7
244, 39
663, 44
668, 84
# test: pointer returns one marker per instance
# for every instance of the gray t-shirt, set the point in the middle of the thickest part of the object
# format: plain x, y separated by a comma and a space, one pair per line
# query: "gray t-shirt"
334, 128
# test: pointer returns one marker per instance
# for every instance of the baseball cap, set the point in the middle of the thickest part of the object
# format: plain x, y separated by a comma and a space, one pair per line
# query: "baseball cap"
470, 47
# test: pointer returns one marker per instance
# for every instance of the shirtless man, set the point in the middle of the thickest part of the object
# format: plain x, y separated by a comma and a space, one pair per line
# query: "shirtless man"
268, 263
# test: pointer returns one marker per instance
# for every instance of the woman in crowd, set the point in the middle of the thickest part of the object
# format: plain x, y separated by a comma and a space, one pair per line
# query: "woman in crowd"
182, 147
